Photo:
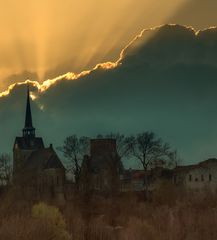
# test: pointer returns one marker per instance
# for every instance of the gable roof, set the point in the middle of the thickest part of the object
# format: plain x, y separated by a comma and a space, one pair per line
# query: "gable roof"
43, 159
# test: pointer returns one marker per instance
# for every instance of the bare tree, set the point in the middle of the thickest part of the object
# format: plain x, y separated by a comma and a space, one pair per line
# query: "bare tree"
5, 169
151, 152
175, 160
74, 148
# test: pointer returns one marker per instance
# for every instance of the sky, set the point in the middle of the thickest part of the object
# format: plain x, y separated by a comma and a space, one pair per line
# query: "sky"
44, 39
111, 66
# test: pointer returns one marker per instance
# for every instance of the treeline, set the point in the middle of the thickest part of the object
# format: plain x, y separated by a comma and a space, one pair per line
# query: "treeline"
146, 148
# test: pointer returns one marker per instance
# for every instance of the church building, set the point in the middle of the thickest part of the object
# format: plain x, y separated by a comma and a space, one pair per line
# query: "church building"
36, 169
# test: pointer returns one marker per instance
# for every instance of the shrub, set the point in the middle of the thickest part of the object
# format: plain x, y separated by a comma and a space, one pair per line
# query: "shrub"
51, 217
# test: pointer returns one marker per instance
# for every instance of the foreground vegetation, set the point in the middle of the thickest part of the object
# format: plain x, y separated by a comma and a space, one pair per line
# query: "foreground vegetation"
171, 214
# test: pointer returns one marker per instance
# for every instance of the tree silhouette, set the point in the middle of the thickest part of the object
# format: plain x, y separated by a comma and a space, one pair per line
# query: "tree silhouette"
151, 152
5, 169
74, 148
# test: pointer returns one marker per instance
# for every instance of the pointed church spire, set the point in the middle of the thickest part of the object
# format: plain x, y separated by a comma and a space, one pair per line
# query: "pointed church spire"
28, 121
28, 130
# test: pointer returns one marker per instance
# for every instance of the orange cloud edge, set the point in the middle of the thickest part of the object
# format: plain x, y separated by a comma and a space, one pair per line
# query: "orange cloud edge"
45, 85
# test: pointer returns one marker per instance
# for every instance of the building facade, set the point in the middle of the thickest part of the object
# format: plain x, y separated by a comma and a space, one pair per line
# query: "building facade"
101, 169
193, 178
197, 177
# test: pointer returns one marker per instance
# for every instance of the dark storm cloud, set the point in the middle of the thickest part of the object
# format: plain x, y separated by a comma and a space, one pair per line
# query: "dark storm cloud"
166, 82
174, 44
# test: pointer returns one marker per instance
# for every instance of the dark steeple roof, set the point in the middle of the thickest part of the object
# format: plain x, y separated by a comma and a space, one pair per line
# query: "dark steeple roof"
28, 141
28, 121
28, 130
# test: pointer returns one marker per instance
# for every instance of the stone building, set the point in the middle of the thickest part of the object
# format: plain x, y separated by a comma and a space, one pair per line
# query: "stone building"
195, 178
198, 176
36, 169
102, 168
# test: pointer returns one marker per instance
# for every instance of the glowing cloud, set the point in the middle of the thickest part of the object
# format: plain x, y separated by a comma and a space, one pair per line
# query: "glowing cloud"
49, 38
144, 36
49, 82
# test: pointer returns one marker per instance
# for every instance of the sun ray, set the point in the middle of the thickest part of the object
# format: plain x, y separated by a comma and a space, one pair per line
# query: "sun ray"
45, 85
49, 38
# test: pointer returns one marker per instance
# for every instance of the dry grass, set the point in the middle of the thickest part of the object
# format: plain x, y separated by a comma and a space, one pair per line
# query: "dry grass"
170, 215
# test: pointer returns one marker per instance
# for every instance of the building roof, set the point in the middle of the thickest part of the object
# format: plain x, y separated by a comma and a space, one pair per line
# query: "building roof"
28, 141
28, 130
202, 164
43, 159
28, 119
139, 174
208, 161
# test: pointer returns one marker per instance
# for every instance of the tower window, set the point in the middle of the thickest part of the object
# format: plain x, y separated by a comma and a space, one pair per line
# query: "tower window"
190, 178
210, 177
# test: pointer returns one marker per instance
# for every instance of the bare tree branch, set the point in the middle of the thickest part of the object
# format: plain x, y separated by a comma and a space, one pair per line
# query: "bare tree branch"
151, 152
74, 148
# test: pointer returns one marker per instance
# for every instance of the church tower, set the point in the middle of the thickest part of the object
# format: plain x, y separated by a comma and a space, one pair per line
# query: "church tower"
36, 169
25, 145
